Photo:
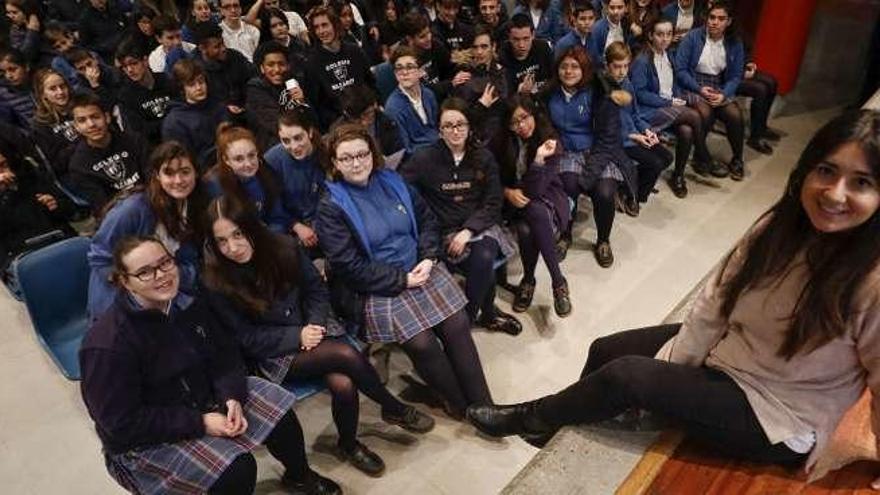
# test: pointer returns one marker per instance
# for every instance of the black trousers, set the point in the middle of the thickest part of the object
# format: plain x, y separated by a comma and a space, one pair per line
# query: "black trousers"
762, 88
621, 373
651, 162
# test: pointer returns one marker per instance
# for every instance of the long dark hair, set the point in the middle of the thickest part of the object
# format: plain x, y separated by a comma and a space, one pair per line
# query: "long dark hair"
838, 263
543, 127
270, 274
180, 227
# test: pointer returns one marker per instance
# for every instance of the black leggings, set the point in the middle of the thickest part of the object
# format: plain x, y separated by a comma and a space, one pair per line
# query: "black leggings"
601, 194
762, 89
534, 232
690, 132
732, 117
454, 370
285, 443
345, 371
651, 162
621, 373
479, 285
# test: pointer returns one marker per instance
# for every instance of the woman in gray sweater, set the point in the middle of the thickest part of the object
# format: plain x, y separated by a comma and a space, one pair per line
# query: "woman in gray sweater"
782, 340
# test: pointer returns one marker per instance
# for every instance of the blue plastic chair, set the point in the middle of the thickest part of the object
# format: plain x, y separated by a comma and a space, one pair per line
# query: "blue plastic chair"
54, 281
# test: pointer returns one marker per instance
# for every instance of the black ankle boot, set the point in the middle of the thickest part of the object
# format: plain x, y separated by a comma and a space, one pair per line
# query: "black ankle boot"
502, 421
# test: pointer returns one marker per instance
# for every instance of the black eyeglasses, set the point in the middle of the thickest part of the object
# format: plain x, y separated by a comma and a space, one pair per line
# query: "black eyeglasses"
151, 272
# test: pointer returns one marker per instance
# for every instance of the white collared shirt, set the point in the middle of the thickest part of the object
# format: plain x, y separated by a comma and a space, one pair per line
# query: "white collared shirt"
244, 39
417, 106
685, 20
664, 74
713, 60
158, 57
615, 33
536, 16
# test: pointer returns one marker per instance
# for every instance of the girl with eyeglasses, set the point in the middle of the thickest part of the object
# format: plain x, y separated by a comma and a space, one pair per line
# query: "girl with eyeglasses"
459, 180
383, 245
167, 208
241, 174
272, 298
166, 388
535, 201
593, 161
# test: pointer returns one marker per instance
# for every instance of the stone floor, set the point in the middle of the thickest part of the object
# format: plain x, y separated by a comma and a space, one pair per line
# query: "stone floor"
48, 446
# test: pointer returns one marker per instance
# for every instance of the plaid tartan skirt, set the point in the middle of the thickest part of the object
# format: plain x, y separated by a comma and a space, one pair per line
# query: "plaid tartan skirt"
572, 161
192, 466
275, 369
402, 317
704, 80
663, 117
505, 240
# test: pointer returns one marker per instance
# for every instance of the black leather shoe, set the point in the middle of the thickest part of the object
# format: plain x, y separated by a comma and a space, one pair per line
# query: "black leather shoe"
503, 322
362, 458
313, 484
718, 169
771, 135
502, 421
631, 207
411, 420
760, 146
737, 169
561, 300
523, 297
678, 186
603, 253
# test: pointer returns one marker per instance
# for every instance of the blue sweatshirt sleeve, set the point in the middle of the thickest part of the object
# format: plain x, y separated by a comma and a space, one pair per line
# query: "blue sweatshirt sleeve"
641, 77
733, 75
128, 217
685, 66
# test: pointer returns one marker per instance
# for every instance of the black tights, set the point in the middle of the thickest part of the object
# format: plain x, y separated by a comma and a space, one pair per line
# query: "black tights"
535, 235
762, 88
689, 130
345, 371
479, 286
602, 196
454, 370
285, 443
621, 373
732, 117
651, 161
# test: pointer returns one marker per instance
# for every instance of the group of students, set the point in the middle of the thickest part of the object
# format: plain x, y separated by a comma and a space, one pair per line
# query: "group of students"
222, 155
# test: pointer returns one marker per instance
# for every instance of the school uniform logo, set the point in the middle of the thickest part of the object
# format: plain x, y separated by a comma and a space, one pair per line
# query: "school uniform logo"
340, 72
66, 130
156, 107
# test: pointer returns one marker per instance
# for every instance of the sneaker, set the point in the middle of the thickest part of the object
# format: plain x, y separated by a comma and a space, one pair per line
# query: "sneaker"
411, 420
737, 169
561, 300
313, 484
523, 297
603, 254
363, 459
562, 246
678, 186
